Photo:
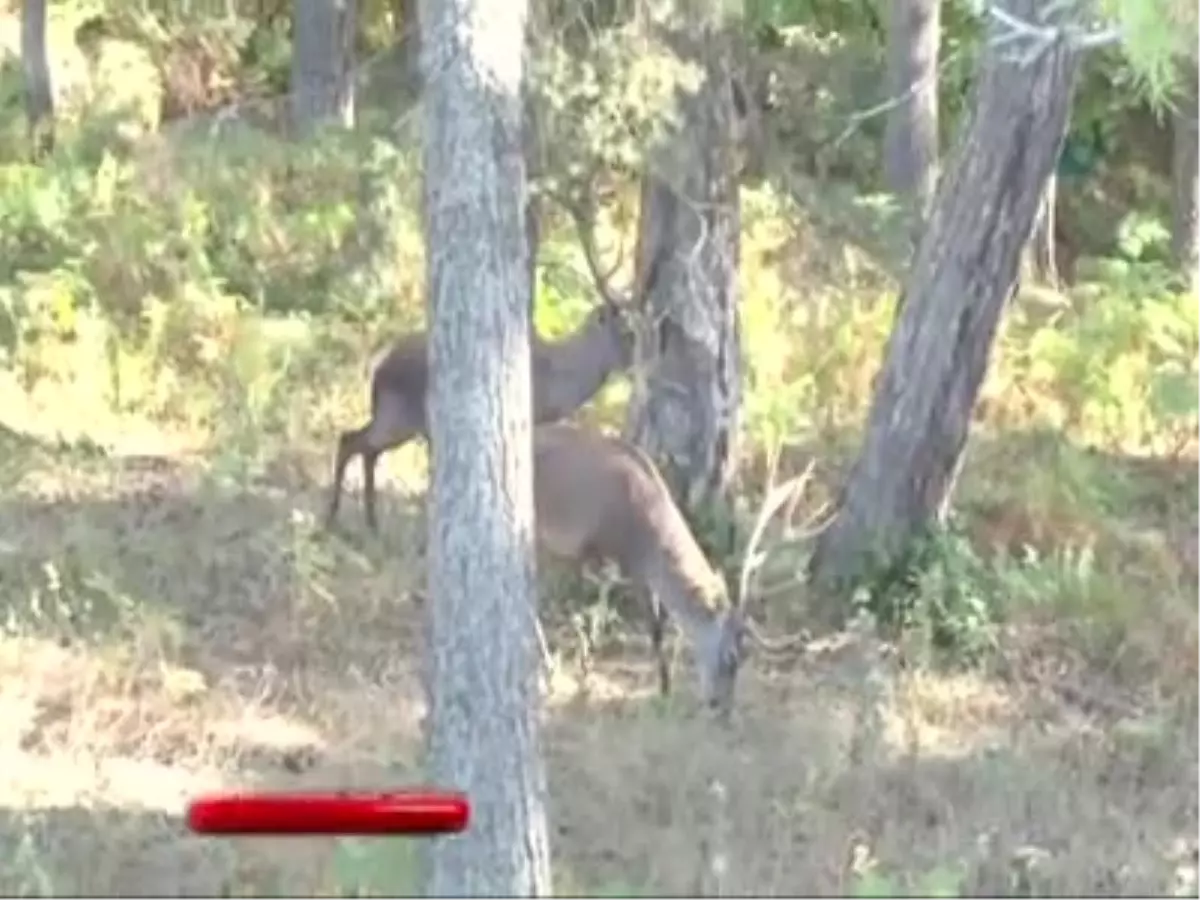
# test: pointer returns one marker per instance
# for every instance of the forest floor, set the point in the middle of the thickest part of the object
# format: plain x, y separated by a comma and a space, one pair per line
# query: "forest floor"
176, 622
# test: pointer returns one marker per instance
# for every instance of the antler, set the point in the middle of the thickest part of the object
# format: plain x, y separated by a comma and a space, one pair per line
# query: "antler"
778, 496
800, 535
585, 226
777, 646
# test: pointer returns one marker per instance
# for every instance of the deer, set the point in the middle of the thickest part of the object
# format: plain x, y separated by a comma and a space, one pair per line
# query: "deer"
566, 374
600, 498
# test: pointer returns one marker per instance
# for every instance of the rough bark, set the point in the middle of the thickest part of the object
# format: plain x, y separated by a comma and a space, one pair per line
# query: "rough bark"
322, 81
39, 94
1185, 160
963, 274
533, 169
481, 656
910, 152
687, 387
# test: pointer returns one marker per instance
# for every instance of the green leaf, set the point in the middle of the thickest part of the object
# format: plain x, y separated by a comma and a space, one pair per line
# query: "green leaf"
1175, 395
1152, 38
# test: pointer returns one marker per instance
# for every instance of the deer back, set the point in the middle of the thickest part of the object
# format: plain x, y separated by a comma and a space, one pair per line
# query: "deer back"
566, 373
400, 379
601, 497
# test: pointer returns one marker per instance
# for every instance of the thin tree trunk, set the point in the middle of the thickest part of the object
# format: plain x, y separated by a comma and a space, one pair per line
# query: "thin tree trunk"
964, 273
687, 397
910, 155
481, 658
323, 84
39, 94
1185, 160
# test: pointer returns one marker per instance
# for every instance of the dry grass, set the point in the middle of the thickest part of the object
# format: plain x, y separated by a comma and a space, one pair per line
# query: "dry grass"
172, 628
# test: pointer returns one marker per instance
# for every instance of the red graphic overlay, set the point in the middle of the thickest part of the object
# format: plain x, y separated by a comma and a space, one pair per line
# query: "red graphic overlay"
400, 812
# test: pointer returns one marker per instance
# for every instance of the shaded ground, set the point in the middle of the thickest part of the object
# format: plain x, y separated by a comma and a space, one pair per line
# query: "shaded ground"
171, 629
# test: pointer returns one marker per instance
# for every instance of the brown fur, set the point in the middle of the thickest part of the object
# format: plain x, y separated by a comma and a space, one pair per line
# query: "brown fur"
601, 498
566, 375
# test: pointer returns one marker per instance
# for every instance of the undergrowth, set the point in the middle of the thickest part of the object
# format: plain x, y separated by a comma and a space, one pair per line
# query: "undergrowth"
186, 320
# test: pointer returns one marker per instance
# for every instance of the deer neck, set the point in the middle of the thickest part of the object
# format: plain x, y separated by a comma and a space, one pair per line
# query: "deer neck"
575, 367
693, 594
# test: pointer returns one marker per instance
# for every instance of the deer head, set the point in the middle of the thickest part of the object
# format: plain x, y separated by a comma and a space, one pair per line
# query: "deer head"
722, 649
619, 308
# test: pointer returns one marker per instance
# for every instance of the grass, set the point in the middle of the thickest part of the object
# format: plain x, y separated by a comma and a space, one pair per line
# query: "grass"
172, 620
176, 622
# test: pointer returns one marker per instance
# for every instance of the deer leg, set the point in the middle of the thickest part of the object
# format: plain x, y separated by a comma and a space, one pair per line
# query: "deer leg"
370, 458
348, 447
658, 622
391, 427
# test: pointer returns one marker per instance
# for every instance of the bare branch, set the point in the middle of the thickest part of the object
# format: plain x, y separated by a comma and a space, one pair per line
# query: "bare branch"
774, 646
1041, 37
1038, 37
857, 119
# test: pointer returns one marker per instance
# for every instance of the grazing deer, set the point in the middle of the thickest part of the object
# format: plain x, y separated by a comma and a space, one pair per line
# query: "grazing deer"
566, 374
601, 498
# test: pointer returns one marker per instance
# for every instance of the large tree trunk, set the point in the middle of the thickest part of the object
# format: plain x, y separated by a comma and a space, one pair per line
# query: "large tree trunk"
481, 655
323, 84
1185, 160
964, 272
910, 144
687, 398
39, 94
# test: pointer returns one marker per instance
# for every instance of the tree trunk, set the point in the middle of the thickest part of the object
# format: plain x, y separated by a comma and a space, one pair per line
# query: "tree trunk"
1185, 160
963, 274
39, 94
481, 657
687, 397
531, 148
1041, 253
323, 83
910, 153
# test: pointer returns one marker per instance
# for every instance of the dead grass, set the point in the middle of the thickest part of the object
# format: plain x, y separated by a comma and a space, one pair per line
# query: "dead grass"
172, 628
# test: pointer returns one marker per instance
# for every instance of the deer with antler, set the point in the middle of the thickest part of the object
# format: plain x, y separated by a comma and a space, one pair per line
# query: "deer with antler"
600, 498
566, 374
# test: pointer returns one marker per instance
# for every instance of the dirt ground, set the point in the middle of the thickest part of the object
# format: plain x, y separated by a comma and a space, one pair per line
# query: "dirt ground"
172, 628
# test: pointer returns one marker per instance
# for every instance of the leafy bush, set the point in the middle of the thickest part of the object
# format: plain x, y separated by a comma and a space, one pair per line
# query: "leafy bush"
1116, 368
941, 593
